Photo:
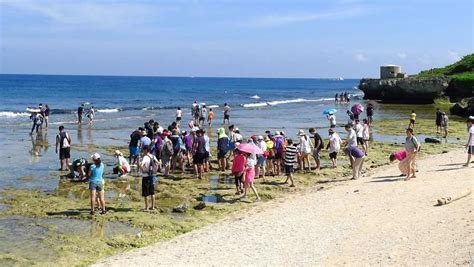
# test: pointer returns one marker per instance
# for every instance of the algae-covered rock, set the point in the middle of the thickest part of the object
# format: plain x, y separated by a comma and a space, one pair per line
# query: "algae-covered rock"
201, 205
181, 208
405, 90
463, 108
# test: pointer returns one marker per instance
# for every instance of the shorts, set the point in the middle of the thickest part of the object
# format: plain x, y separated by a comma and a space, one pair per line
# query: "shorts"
166, 161
221, 154
317, 154
226, 117
134, 151
148, 188
360, 140
289, 170
198, 158
333, 126
470, 150
333, 155
261, 161
178, 118
278, 155
65, 153
412, 121
201, 118
95, 186
438, 122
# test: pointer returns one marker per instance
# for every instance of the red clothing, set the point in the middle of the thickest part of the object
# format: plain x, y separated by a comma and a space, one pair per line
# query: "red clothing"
400, 155
238, 165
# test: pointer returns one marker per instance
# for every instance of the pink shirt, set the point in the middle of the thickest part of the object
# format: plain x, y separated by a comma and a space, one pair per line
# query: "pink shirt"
238, 164
400, 155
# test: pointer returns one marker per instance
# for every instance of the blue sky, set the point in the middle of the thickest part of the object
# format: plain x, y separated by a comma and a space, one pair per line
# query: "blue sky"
259, 38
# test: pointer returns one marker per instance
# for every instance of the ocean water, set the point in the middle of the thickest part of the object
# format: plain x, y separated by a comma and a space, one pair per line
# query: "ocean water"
125, 103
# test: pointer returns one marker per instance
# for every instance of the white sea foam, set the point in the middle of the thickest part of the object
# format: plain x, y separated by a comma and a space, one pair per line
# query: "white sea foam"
255, 97
108, 110
213, 106
255, 105
10, 114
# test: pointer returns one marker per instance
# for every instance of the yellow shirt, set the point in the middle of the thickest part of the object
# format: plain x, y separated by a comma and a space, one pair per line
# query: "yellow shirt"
211, 115
413, 116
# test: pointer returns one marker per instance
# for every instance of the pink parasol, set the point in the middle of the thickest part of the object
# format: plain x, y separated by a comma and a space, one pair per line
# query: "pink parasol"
357, 108
249, 148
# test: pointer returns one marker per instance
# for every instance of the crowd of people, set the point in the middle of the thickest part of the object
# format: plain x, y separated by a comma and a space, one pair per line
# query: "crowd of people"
155, 150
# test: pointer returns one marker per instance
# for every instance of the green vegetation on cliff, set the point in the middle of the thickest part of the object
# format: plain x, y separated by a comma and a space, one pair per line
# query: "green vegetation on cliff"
463, 69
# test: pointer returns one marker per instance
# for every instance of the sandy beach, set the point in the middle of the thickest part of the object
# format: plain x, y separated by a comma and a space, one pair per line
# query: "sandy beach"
379, 219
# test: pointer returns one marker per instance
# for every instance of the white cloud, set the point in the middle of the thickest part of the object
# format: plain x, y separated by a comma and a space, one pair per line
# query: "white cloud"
402, 55
275, 20
453, 55
360, 57
84, 13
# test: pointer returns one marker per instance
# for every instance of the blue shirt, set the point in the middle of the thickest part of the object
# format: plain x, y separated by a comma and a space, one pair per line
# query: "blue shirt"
97, 173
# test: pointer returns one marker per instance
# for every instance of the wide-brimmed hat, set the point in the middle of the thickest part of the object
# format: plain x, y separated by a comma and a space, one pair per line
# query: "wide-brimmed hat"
118, 153
95, 156
259, 137
301, 132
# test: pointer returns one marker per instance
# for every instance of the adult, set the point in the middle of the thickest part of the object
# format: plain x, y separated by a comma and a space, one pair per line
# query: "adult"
121, 167
366, 135
351, 117
290, 160
63, 146
199, 153
444, 123
208, 157
226, 113
356, 156
144, 139
412, 123
332, 120
80, 166
133, 146
261, 158
304, 148
179, 116
279, 148
96, 183
370, 114
90, 114
148, 168
439, 117
412, 146
37, 119
166, 152
46, 113
318, 145
222, 148
470, 141
80, 112
202, 115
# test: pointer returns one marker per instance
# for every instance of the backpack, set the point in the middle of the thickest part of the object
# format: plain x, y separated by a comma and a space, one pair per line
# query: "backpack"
154, 166
279, 145
168, 148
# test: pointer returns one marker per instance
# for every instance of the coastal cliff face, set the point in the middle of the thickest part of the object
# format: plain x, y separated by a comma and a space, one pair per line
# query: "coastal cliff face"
405, 90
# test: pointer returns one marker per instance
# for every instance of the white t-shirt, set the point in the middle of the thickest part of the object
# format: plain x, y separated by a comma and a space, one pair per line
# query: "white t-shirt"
359, 129
471, 133
352, 138
334, 143
145, 164
237, 137
179, 113
332, 119
262, 145
305, 144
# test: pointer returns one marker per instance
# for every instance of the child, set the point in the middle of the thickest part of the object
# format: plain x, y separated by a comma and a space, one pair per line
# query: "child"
289, 159
210, 117
238, 168
96, 183
334, 145
412, 119
444, 123
249, 176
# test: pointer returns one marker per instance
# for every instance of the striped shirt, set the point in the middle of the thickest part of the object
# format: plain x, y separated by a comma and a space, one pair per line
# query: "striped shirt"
290, 155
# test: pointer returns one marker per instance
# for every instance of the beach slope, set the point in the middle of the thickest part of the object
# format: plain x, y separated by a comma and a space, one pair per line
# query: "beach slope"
379, 219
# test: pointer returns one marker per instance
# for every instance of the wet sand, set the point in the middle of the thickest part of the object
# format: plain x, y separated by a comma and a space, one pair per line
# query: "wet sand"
379, 219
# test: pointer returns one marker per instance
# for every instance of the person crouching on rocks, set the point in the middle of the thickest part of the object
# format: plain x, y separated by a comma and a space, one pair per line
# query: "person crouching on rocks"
122, 167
